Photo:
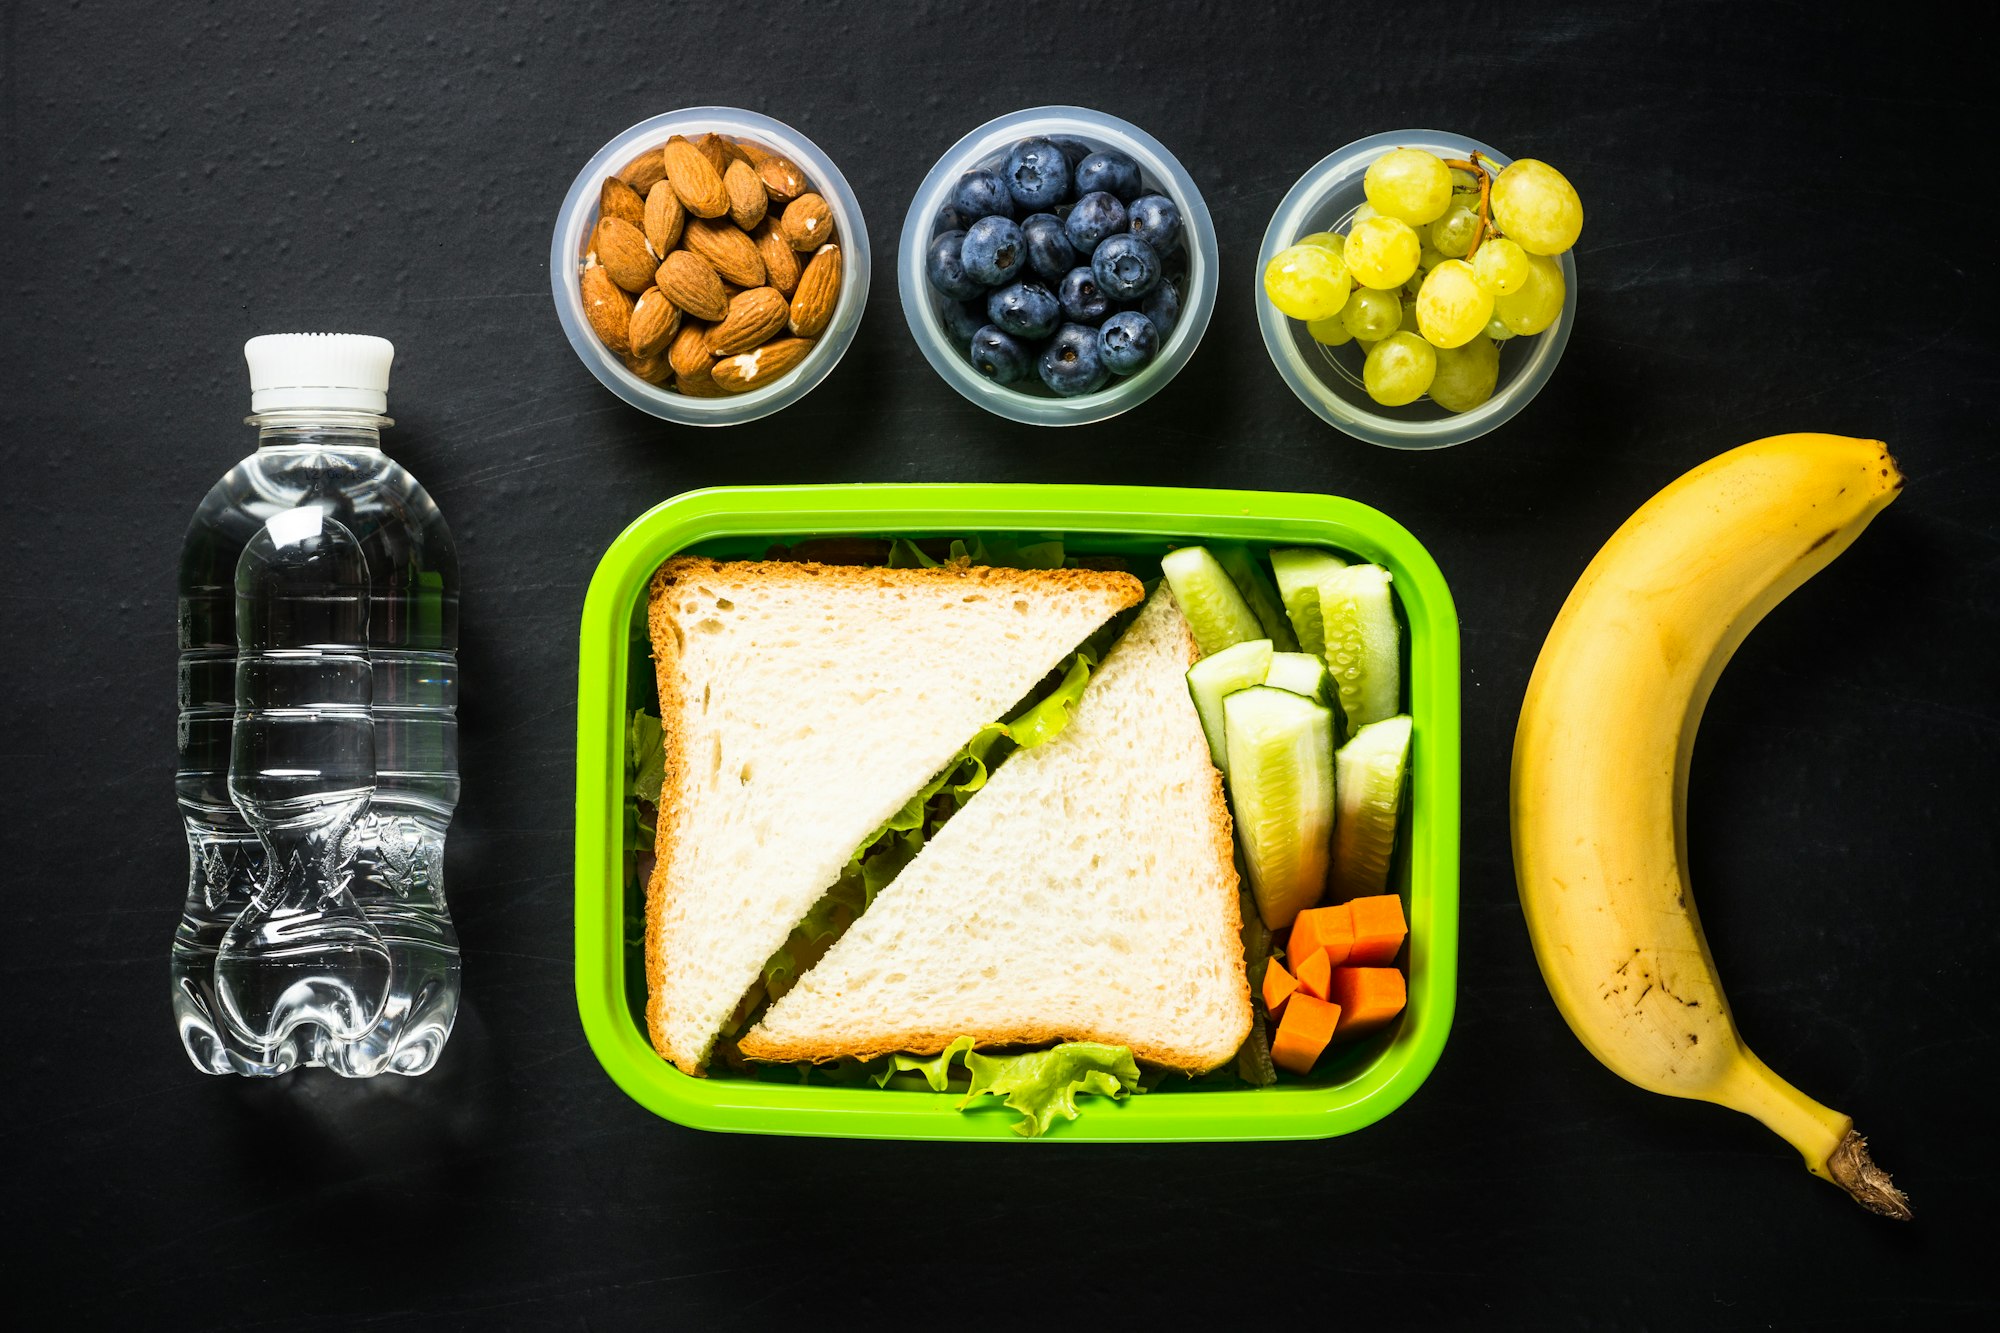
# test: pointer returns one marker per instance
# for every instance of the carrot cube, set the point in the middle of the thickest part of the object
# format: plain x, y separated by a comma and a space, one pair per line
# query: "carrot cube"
1367, 997
1307, 1027
1315, 974
1328, 928
1278, 987
1379, 929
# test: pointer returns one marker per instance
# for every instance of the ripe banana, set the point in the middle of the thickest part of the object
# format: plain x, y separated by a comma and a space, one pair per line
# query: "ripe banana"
1601, 767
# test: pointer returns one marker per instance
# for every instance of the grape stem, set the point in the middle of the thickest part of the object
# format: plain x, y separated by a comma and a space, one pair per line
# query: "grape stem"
1477, 168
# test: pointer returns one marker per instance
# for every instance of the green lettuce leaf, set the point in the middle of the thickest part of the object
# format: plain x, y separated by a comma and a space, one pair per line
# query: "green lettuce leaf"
1047, 716
903, 554
936, 1069
647, 751
1044, 1084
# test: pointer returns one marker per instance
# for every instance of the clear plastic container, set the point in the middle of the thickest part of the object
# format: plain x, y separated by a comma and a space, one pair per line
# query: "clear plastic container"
578, 219
1328, 379
987, 146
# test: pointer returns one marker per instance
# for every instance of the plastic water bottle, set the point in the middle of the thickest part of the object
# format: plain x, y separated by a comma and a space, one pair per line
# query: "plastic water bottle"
318, 744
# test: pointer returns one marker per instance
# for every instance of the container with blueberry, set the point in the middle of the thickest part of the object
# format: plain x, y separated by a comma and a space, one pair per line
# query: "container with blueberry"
1059, 266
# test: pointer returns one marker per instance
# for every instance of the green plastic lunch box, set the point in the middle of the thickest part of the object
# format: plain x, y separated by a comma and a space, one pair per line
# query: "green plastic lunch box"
1353, 1086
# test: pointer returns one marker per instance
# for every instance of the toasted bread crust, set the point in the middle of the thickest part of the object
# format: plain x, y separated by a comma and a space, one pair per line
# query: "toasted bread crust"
1119, 590
756, 1044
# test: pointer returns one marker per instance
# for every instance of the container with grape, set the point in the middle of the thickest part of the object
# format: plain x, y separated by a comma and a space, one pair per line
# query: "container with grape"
1412, 295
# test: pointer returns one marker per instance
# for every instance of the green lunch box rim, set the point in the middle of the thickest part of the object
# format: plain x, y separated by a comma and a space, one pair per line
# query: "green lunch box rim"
1364, 1090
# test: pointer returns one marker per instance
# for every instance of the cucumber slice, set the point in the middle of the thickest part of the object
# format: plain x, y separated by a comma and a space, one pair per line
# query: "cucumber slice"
1255, 585
1299, 571
1215, 610
1301, 673
1234, 668
1362, 648
1368, 772
1281, 790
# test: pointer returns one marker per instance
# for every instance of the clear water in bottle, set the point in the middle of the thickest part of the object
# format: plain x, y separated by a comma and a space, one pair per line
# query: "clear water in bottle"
318, 742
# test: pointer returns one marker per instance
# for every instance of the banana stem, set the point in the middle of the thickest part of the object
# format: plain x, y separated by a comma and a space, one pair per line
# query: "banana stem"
1823, 1136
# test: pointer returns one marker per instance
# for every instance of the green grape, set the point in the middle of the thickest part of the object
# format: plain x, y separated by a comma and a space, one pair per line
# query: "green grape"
1409, 184
1382, 252
1306, 282
1362, 213
1331, 331
1370, 314
1429, 260
1452, 233
1452, 308
1399, 369
1540, 300
1464, 182
1496, 327
1331, 240
1537, 207
1406, 316
1500, 266
1466, 375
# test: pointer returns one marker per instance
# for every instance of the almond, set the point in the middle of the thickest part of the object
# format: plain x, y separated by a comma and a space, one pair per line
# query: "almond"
622, 249
808, 222
652, 369
616, 199
781, 262
607, 308
716, 149
654, 320
818, 293
695, 179
664, 218
728, 247
689, 282
753, 317
689, 351
700, 384
753, 370
747, 200
783, 181
644, 171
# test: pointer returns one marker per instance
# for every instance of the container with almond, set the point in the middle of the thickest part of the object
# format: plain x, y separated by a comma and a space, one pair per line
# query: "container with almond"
710, 265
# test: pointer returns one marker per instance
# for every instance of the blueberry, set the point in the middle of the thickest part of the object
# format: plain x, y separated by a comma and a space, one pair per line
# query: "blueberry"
1074, 150
1070, 364
1050, 255
1127, 342
949, 219
1081, 301
1163, 307
1037, 174
1024, 309
982, 193
1155, 220
1096, 216
1126, 267
961, 320
993, 251
1109, 170
996, 355
944, 265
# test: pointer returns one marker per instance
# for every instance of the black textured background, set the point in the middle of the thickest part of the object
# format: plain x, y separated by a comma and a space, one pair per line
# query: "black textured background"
1791, 226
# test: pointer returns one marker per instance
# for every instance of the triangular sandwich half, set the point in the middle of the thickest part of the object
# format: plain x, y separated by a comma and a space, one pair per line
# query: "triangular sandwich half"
801, 706
1088, 892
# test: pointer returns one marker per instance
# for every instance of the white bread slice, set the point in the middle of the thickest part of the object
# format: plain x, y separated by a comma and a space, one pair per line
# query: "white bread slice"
802, 705
1087, 893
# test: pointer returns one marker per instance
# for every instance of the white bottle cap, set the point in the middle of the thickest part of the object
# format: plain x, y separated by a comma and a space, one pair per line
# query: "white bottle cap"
346, 371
